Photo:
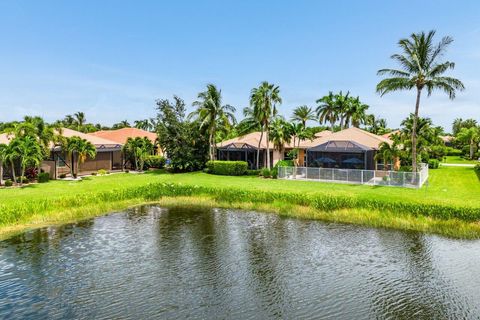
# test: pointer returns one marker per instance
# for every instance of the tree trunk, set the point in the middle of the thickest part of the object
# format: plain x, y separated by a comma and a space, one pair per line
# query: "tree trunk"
414, 132
332, 125
268, 148
472, 144
1, 172
13, 171
258, 150
22, 174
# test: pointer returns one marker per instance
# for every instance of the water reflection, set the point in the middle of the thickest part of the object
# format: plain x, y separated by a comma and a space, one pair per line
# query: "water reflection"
194, 263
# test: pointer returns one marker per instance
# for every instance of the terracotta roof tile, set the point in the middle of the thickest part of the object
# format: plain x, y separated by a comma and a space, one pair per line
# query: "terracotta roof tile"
121, 135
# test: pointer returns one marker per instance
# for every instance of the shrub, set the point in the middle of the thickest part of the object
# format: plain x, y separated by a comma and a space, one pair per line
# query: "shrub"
284, 163
227, 168
433, 164
157, 162
62, 176
477, 168
266, 173
22, 179
94, 173
43, 177
127, 171
102, 172
453, 152
31, 173
8, 183
253, 172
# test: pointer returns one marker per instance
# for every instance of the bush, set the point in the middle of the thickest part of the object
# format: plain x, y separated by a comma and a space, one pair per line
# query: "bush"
266, 173
102, 172
477, 168
94, 173
43, 177
62, 176
227, 168
433, 164
8, 183
453, 152
253, 172
127, 171
22, 179
157, 162
31, 173
284, 163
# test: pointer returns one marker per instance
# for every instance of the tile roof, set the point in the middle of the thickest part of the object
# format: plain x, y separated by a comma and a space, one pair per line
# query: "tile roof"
121, 135
353, 134
98, 142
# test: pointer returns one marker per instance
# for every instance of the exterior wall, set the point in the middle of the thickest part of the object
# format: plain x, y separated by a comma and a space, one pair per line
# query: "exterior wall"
301, 157
277, 156
49, 167
103, 160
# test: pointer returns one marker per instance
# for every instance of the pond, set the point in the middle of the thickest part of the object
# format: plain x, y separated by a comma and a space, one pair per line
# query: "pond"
153, 262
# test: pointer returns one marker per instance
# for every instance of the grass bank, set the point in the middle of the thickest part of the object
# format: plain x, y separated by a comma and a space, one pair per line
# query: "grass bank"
449, 205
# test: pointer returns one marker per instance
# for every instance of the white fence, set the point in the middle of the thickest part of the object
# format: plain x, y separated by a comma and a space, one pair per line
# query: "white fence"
355, 176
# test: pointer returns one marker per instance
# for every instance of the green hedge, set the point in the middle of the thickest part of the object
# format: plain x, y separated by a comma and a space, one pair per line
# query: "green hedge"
433, 164
43, 177
157, 162
227, 168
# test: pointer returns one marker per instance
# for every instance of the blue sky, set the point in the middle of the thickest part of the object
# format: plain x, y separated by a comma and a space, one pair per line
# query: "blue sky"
113, 59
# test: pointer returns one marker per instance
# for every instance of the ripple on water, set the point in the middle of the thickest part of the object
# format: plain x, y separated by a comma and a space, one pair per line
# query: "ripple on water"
194, 263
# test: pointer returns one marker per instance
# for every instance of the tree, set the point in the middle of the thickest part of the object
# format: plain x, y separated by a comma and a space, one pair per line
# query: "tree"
122, 124
327, 110
356, 112
388, 152
420, 69
79, 120
80, 149
143, 124
427, 135
263, 101
28, 151
280, 133
212, 115
138, 148
3, 159
302, 114
470, 136
342, 104
459, 123
185, 145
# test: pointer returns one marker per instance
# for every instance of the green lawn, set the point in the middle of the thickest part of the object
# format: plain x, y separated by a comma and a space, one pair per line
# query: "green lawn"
448, 205
459, 160
447, 185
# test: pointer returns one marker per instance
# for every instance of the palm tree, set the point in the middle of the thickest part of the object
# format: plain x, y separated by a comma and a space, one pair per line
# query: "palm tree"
327, 110
280, 133
3, 159
427, 135
356, 112
420, 69
342, 104
263, 101
470, 136
249, 123
143, 124
302, 114
79, 120
80, 148
28, 152
212, 115
139, 149
388, 152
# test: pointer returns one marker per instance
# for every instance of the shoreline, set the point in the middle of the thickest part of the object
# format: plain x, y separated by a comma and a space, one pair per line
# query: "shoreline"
367, 216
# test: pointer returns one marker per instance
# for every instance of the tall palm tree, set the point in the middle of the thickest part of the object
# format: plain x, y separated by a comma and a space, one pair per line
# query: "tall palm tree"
3, 159
264, 100
420, 69
302, 114
470, 136
212, 115
342, 104
143, 124
356, 113
79, 120
80, 149
280, 133
28, 151
327, 110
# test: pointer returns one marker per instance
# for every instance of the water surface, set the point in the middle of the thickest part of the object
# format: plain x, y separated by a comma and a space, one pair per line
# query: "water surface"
152, 262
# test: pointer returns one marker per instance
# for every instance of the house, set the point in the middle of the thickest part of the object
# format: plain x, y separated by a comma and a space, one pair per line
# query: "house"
109, 155
350, 148
121, 136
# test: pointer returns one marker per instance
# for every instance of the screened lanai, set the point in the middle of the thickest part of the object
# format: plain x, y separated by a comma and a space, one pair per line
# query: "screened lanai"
342, 155
242, 152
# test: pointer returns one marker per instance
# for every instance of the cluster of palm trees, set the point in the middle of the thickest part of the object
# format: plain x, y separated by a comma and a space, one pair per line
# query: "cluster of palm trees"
30, 142
467, 132
138, 149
